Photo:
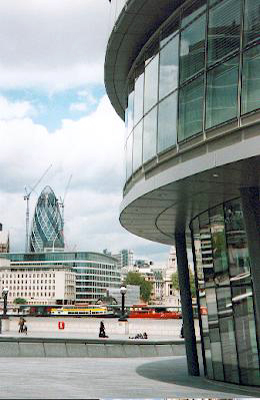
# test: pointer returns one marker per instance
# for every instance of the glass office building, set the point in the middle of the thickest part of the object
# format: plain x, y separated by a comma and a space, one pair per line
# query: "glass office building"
184, 75
47, 224
95, 272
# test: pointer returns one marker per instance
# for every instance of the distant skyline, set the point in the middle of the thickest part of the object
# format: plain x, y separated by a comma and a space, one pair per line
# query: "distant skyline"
54, 110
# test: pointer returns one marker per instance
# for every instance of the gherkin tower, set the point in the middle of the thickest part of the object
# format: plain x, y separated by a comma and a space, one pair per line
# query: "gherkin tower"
47, 225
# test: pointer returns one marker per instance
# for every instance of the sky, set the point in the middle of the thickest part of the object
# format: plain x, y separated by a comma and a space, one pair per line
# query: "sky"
54, 111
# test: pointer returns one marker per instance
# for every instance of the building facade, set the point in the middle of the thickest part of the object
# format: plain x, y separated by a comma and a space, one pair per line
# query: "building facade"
37, 284
47, 225
94, 273
4, 240
184, 75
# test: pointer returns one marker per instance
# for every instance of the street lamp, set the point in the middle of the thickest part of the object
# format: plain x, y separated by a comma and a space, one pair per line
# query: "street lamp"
5, 294
123, 292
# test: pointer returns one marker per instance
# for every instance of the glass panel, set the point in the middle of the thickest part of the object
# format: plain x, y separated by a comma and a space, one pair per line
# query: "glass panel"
222, 93
130, 112
191, 109
129, 156
169, 31
251, 80
246, 335
227, 334
151, 84
219, 246
149, 135
169, 66
192, 11
167, 121
224, 29
138, 98
137, 146
251, 21
192, 49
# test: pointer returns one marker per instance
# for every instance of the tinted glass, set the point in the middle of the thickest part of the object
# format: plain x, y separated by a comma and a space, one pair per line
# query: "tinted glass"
224, 29
138, 98
192, 48
222, 93
151, 84
130, 112
149, 135
129, 156
251, 80
191, 109
251, 21
137, 146
169, 67
167, 122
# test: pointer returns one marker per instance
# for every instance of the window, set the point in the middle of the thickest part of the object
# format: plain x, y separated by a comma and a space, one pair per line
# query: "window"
151, 84
222, 93
224, 29
129, 156
169, 67
251, 21
192, 49
251, 80
167, 121
138, 98
137, 146
190, 109
149, 135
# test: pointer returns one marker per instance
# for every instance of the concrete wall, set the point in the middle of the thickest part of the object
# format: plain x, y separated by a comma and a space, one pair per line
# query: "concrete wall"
44, 347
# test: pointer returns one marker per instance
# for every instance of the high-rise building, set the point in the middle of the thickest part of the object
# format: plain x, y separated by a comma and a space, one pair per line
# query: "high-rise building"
47, 224
4, 240
184, 76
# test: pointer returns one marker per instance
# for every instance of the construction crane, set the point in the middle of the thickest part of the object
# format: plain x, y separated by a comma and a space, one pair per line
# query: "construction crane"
61, 204
27, 198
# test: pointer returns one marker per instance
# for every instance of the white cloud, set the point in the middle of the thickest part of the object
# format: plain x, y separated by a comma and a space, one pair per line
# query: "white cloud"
78, 107
18, 109
49, 44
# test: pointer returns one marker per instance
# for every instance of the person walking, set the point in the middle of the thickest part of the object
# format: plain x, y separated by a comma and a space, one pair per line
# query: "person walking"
21, 323
102, 331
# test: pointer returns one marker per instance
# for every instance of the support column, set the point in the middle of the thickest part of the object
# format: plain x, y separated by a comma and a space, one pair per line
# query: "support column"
250, 198
186, 304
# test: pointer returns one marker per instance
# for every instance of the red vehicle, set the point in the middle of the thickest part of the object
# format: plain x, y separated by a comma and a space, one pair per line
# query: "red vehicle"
155, 312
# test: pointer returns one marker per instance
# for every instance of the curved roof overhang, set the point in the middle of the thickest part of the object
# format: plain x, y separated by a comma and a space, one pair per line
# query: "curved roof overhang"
136, 23
163, 204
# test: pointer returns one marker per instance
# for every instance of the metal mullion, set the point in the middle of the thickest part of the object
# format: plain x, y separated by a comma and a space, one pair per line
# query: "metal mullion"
205, 72
240, 66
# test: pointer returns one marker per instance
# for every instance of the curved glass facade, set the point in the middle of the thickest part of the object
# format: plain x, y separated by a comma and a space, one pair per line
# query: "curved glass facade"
226, 295
200, 70
47, 226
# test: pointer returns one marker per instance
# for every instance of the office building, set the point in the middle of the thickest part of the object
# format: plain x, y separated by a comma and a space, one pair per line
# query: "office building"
184, 75
94, 274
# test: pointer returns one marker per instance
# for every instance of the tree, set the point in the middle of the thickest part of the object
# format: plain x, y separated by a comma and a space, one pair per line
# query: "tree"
19, 300
135, 278
175, 282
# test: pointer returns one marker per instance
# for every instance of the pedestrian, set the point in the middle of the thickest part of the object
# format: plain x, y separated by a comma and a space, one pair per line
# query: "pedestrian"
21, 324
182, 332
102, 331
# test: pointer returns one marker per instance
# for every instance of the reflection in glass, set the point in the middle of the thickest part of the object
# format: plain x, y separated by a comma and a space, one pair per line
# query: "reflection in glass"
151, 84
137, 146
167, 121
130, 112
169, 31
251, 21
222, 93
192, 49
149, 135
190, 109
224, 29
129, 156
169, 65
192, 11
251, 80
139, 98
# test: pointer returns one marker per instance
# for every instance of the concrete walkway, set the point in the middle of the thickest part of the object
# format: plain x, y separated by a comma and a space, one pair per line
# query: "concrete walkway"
58, 378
